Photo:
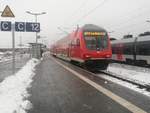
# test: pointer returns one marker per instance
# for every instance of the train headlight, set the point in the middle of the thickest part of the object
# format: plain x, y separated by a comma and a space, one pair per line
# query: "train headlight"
87, 56
108, 56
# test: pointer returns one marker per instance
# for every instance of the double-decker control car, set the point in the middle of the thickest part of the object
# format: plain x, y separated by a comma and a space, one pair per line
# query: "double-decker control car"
88, 46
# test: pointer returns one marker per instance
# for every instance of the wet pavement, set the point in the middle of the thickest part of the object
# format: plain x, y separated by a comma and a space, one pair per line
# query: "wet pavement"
138, 99
56, 90
6, 67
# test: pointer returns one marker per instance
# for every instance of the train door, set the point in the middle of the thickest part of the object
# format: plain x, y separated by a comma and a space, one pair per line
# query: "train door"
69, 49
78, 50
119, 52
75, 49
72, 49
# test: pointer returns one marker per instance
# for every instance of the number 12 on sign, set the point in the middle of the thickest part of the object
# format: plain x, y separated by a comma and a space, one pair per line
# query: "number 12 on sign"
32, 27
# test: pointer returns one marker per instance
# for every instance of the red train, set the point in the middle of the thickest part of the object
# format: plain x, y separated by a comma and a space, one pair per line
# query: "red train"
88, 46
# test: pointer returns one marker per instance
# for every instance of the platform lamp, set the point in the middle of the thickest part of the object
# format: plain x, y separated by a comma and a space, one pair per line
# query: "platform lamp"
36, 14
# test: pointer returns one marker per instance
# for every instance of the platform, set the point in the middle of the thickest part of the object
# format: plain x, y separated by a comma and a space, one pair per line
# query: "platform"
57, 90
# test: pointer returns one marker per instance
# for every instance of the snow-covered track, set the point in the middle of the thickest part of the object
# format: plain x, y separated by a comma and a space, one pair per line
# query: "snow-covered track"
134, 82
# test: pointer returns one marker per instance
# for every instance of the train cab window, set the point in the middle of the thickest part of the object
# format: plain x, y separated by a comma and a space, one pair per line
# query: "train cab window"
104, 42
90, 42
96, 42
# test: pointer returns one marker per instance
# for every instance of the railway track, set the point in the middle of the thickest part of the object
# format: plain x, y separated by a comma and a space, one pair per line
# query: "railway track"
140, 85
95, 73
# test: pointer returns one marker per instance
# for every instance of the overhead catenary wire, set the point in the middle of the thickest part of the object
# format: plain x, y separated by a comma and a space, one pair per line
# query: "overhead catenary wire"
120, 25
133, 18
71, 16
132, 13
79, 8
130, 25
90, 12
75, 12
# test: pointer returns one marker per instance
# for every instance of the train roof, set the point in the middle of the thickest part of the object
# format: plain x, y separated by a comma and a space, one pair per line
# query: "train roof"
92, 27
139, 39
123, 40
144, 38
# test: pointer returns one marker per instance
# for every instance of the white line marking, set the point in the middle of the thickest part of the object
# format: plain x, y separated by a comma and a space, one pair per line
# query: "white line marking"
128, 105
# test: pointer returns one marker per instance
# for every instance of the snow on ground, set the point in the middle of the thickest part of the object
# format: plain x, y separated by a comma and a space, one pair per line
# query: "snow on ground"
4, 59
13, 90
134, 73
126, 84
9, 58
1, 53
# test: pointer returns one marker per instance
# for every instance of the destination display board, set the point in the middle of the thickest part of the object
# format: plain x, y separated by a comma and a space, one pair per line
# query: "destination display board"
89, 33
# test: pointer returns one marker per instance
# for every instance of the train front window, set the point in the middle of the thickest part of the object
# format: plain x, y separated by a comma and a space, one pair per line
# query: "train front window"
96, 42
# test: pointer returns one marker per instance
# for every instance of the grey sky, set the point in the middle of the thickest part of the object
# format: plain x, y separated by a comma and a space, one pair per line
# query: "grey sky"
120, 16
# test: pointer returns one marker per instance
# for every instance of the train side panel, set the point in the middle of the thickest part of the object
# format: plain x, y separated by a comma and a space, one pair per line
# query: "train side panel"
133, 51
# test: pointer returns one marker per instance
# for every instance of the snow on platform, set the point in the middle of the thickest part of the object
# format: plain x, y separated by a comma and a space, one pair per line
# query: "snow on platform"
13, 90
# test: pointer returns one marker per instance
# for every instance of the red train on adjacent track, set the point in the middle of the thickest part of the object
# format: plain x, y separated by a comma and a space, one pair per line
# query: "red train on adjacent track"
88, 46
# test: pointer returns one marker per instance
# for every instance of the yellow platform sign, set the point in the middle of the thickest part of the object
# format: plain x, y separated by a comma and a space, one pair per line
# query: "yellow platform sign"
7, 12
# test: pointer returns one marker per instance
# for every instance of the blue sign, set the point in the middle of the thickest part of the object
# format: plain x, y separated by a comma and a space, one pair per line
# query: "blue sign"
20, 26
32, 27
5, 26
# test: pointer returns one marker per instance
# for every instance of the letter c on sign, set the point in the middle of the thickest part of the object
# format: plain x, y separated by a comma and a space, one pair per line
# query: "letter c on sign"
5, 25
21, 26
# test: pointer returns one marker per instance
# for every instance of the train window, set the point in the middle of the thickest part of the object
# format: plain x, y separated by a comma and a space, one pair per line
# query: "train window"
114, 50
105, 42
128, 49
90, 42
73, 43
143, 51
143, 48
78, 42
117, 49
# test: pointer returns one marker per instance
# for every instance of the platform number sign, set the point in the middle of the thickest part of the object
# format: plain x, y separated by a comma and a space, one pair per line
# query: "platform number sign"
32, 27
20, 26
5, 26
